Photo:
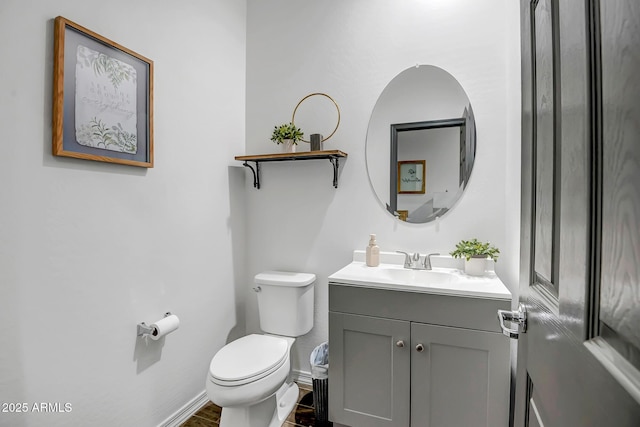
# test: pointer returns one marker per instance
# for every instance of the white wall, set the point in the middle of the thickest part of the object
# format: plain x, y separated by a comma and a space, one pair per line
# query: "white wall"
351, 50
88, 250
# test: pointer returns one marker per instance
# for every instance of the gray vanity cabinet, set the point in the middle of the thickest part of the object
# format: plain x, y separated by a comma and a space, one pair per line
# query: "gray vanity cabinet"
405, 359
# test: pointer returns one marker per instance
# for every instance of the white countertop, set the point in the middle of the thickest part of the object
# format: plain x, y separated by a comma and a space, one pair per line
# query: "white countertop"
392, 275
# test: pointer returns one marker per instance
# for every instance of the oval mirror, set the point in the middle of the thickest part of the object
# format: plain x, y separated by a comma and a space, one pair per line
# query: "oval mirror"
421, 144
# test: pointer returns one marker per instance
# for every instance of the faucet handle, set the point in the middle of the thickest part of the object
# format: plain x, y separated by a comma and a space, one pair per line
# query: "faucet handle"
407, 259
427, 260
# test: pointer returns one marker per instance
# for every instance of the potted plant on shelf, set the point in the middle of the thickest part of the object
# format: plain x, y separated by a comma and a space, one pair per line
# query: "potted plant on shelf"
475, 254
288, 135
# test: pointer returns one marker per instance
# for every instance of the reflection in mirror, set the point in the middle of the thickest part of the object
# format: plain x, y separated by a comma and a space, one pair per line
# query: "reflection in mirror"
421, 144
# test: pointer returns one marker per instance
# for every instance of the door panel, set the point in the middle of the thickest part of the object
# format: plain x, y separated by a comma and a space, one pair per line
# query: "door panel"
545, 82
575, 173
595, 233
620, 289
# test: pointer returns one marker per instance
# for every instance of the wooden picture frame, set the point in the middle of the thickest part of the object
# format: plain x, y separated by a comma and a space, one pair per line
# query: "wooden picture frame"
102, 98
411, 174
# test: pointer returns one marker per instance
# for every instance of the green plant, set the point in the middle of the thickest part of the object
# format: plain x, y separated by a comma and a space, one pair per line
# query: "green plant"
475, 248
286, 131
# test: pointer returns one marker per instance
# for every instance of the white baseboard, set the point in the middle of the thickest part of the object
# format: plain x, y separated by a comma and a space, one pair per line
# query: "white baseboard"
184, 413
303, 377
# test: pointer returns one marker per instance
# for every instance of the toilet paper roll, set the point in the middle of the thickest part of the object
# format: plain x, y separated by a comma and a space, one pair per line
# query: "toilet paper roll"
164, 327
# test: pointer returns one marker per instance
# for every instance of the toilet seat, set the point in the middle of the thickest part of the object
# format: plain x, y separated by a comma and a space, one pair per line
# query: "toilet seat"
248, 359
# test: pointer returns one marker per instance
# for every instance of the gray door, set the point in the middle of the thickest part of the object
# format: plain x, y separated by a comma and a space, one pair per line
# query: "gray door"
579, 360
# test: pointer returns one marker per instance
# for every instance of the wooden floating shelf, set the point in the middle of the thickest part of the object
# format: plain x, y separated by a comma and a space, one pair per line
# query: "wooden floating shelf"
332, 155
303, 155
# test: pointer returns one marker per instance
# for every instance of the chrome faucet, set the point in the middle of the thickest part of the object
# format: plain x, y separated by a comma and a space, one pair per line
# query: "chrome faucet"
413, 261
409, 261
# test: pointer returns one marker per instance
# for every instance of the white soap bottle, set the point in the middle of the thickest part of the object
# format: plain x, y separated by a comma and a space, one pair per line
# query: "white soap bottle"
373, 252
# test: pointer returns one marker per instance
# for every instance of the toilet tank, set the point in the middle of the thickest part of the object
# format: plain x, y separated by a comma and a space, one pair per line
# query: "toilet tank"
285, 302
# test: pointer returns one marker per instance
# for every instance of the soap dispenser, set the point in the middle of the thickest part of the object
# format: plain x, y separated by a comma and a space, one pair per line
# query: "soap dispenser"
373, 252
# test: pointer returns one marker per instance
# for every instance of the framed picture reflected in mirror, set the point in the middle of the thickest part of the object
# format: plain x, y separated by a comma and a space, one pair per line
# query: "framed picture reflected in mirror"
411, 174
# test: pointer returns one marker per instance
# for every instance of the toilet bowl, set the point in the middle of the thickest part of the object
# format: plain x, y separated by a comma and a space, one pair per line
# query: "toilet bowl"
249, 377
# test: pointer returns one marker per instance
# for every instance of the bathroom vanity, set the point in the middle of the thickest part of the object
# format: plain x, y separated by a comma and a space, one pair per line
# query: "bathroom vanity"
419, 348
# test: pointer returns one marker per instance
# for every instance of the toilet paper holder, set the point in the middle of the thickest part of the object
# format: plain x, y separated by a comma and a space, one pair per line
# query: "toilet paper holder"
143, 329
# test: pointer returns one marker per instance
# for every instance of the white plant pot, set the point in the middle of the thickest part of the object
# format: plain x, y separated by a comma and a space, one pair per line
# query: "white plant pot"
288, 146
475, 266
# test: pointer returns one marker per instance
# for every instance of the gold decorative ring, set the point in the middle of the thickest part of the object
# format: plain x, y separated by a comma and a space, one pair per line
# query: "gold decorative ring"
293, 118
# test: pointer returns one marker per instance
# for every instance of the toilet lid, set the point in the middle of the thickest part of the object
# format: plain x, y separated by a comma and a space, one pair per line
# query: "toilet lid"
284, 278
248, 359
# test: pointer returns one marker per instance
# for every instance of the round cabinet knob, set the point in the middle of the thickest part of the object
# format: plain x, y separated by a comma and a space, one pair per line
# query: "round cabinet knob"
400, 344
420, 348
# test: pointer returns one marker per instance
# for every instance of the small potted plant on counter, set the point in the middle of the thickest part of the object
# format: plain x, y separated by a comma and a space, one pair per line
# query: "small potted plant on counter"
288, 135
475, 254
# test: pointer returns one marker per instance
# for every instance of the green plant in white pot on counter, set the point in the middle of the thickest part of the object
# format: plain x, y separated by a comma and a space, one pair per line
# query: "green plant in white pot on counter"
288, 135
475, 254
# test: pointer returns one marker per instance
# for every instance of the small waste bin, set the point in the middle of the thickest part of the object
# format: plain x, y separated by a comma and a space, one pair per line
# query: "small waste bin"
319, 361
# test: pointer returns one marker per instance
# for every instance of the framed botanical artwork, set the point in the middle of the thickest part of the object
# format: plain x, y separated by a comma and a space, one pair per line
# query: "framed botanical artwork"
411, 177
102, 98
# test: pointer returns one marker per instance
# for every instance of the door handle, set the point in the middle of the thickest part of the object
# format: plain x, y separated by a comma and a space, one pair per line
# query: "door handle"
519, 317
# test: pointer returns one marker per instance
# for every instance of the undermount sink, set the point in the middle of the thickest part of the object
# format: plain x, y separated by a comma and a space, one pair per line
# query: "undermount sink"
446, 277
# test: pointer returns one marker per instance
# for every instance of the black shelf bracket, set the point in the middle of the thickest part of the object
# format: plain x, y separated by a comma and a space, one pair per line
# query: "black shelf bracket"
256, 173
335, 162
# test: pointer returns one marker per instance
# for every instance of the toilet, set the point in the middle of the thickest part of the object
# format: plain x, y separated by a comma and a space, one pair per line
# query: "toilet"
249, 377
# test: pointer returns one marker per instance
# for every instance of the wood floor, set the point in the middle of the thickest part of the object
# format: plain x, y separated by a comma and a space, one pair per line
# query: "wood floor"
301, 416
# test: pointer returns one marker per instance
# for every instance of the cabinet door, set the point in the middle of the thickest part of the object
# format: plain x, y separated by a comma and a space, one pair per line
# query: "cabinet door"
459, 377
368, 371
